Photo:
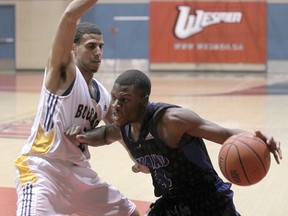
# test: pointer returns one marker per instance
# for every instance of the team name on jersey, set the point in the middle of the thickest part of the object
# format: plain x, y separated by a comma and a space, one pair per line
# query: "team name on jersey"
153, 161
88, 113
188, 24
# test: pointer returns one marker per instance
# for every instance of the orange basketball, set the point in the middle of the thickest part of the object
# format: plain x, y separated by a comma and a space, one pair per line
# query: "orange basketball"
244, 159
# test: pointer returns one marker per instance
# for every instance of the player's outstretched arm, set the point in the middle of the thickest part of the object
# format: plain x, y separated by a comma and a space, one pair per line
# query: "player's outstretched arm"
179, 121
99, 136
60, 66
196, 126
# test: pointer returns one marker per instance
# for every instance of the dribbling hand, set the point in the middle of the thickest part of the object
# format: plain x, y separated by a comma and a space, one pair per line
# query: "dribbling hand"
274, 146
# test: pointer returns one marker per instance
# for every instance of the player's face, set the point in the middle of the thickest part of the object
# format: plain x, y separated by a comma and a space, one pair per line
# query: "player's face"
128, 104
88, 54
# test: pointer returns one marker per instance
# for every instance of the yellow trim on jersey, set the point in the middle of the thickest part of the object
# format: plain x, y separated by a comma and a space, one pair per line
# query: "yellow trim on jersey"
25, 173
41, 145
42, 142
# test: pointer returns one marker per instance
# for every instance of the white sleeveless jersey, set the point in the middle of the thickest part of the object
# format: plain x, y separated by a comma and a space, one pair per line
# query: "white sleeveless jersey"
57, 113
54, 176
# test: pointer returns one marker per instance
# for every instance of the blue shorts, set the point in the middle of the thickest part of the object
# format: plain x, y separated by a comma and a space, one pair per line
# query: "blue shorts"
195, 204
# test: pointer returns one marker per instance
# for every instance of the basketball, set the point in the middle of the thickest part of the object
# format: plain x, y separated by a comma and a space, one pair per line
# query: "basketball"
244, 159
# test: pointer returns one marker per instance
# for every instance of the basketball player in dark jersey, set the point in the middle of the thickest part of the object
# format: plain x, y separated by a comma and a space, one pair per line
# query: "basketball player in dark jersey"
168, 139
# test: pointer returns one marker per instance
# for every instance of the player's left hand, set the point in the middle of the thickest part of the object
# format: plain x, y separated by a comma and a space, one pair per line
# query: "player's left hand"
136, 168
274, 146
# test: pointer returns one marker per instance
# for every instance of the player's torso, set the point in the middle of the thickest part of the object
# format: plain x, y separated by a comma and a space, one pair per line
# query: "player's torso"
172, 170
57, 113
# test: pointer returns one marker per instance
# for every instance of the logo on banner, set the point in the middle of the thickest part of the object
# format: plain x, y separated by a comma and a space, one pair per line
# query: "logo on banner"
189, 24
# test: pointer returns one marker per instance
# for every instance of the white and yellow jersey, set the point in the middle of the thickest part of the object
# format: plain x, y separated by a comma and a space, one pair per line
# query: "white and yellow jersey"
54, 176
57, 113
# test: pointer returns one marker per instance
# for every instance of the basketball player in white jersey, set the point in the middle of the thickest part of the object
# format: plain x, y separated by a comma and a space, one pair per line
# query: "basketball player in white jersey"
54, 176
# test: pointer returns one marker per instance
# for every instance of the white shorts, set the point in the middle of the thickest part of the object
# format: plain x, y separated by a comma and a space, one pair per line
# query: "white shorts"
62, 188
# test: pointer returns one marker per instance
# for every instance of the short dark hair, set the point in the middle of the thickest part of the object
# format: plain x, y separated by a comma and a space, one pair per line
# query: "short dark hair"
136, 78
85, 28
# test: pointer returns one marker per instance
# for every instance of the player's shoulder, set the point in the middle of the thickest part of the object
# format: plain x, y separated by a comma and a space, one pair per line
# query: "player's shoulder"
103, 94
176, 115
100, 85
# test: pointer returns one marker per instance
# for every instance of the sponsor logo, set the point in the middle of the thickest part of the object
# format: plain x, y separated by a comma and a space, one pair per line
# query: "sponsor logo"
149, 136
189, 24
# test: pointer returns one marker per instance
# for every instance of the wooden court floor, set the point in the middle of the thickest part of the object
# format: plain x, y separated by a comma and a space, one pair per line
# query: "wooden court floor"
242, 100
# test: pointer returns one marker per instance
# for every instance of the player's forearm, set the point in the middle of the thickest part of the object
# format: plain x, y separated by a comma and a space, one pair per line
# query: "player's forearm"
99, 136
60, 56
112, 133
94, 137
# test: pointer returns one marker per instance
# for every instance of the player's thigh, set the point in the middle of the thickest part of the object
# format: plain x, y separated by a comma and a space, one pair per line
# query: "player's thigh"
34, 199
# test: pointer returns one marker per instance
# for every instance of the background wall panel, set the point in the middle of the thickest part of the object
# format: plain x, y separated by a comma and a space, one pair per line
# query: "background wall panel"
36, 20
277, 32
125, 28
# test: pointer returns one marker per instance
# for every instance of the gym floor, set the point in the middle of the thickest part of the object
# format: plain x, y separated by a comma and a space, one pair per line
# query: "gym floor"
244, 100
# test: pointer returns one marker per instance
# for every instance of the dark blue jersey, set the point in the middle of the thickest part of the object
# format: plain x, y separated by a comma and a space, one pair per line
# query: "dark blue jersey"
187, 169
